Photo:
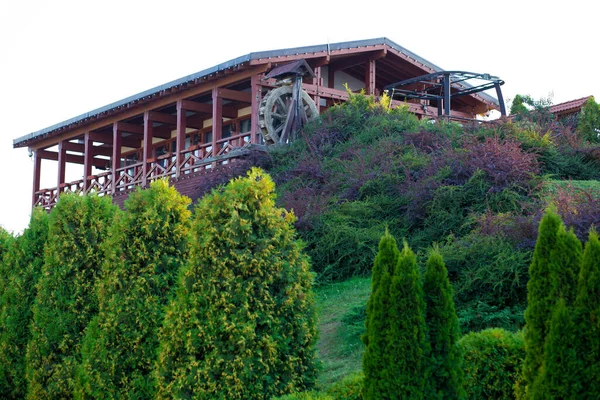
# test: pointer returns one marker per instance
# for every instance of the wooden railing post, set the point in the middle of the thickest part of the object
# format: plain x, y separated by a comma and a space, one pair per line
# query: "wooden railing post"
256, 99
62, 160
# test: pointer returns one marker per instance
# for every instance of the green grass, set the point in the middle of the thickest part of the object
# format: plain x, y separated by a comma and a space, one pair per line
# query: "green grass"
340, 325
592, 187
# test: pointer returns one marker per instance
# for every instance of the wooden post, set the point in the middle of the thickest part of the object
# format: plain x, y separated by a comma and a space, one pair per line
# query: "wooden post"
181, 120
256, 99
62, 160
217, 119
370, 77
37, 167
147, 152
317, 82
88, 148
116, 156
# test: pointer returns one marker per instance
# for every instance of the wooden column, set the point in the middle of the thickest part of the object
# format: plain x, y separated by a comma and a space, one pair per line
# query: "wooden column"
62, 162
147, 152
331, 77
181, 121
37, 167
88, 156
116, 155
256, 99
317, 82
217, 119
370, 77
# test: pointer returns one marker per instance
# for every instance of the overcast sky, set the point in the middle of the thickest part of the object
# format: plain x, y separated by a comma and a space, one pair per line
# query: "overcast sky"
59, 59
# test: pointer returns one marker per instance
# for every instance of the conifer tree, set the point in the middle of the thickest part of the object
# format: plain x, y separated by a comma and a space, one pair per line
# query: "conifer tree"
146, 247
561, 368
376, 359
242, 324
445, 359
540, 300
66, 299
565, 263
587, 314
25, 263
407, 344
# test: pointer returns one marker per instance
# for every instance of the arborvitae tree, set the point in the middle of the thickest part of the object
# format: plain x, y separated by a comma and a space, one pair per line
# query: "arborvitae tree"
540, 300
66, 300
6, 243
25, 262
565, 263
376, 358
146, 247
587, 314
561, 368
407, 344
445, 359
242, 324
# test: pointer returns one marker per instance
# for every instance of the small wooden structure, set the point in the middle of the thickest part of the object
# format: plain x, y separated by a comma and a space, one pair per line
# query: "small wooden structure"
183, 129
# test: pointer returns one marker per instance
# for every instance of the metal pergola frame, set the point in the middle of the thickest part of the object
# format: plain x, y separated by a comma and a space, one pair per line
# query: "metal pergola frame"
443, 86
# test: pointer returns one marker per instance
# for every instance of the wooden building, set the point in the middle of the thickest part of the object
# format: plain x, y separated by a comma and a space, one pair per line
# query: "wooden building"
183, 128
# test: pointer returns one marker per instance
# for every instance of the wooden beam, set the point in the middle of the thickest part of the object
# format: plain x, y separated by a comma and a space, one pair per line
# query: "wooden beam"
127, 142
196, 121
166, 100
217, 119
147, 152
317, 54
70, 158
156, 116
129, 128
116, 155
244, 97
181, 125
80, 148
202, 108
162, 131
88, 155
37, 167
318, 62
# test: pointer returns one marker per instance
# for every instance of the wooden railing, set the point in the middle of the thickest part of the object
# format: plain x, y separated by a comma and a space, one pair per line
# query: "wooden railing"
194, 159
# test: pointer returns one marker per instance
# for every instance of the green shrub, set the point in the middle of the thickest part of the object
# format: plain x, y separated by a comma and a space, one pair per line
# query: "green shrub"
243, 323
25, 263
492, 365
349, 388
146, 247
306, 396
66, 300
445, 359
589, 121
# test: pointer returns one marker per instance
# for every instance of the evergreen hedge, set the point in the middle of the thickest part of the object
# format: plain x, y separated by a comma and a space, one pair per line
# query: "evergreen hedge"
24, 263
146, 247
243, 323
66, 300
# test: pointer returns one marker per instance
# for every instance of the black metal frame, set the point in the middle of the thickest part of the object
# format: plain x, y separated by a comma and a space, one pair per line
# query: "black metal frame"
444, 85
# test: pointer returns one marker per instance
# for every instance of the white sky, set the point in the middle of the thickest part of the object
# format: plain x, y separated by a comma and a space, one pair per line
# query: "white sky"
59, 59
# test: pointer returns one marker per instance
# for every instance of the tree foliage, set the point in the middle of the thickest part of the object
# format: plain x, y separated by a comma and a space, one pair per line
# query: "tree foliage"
589, 121
242, 323
146, 247
66, 300
24, 264
376, 357
445, 359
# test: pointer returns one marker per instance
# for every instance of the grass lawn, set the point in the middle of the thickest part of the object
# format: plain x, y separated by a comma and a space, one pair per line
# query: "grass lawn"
341, 308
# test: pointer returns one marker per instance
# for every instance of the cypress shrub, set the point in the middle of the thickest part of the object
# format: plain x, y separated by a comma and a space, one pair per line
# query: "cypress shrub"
6, 243
562, 377
376, 357
407, 345
445, 360
565, 261
146, 247
25, 263
587, 314
243, 323
492, 361
540, 299
66, 300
